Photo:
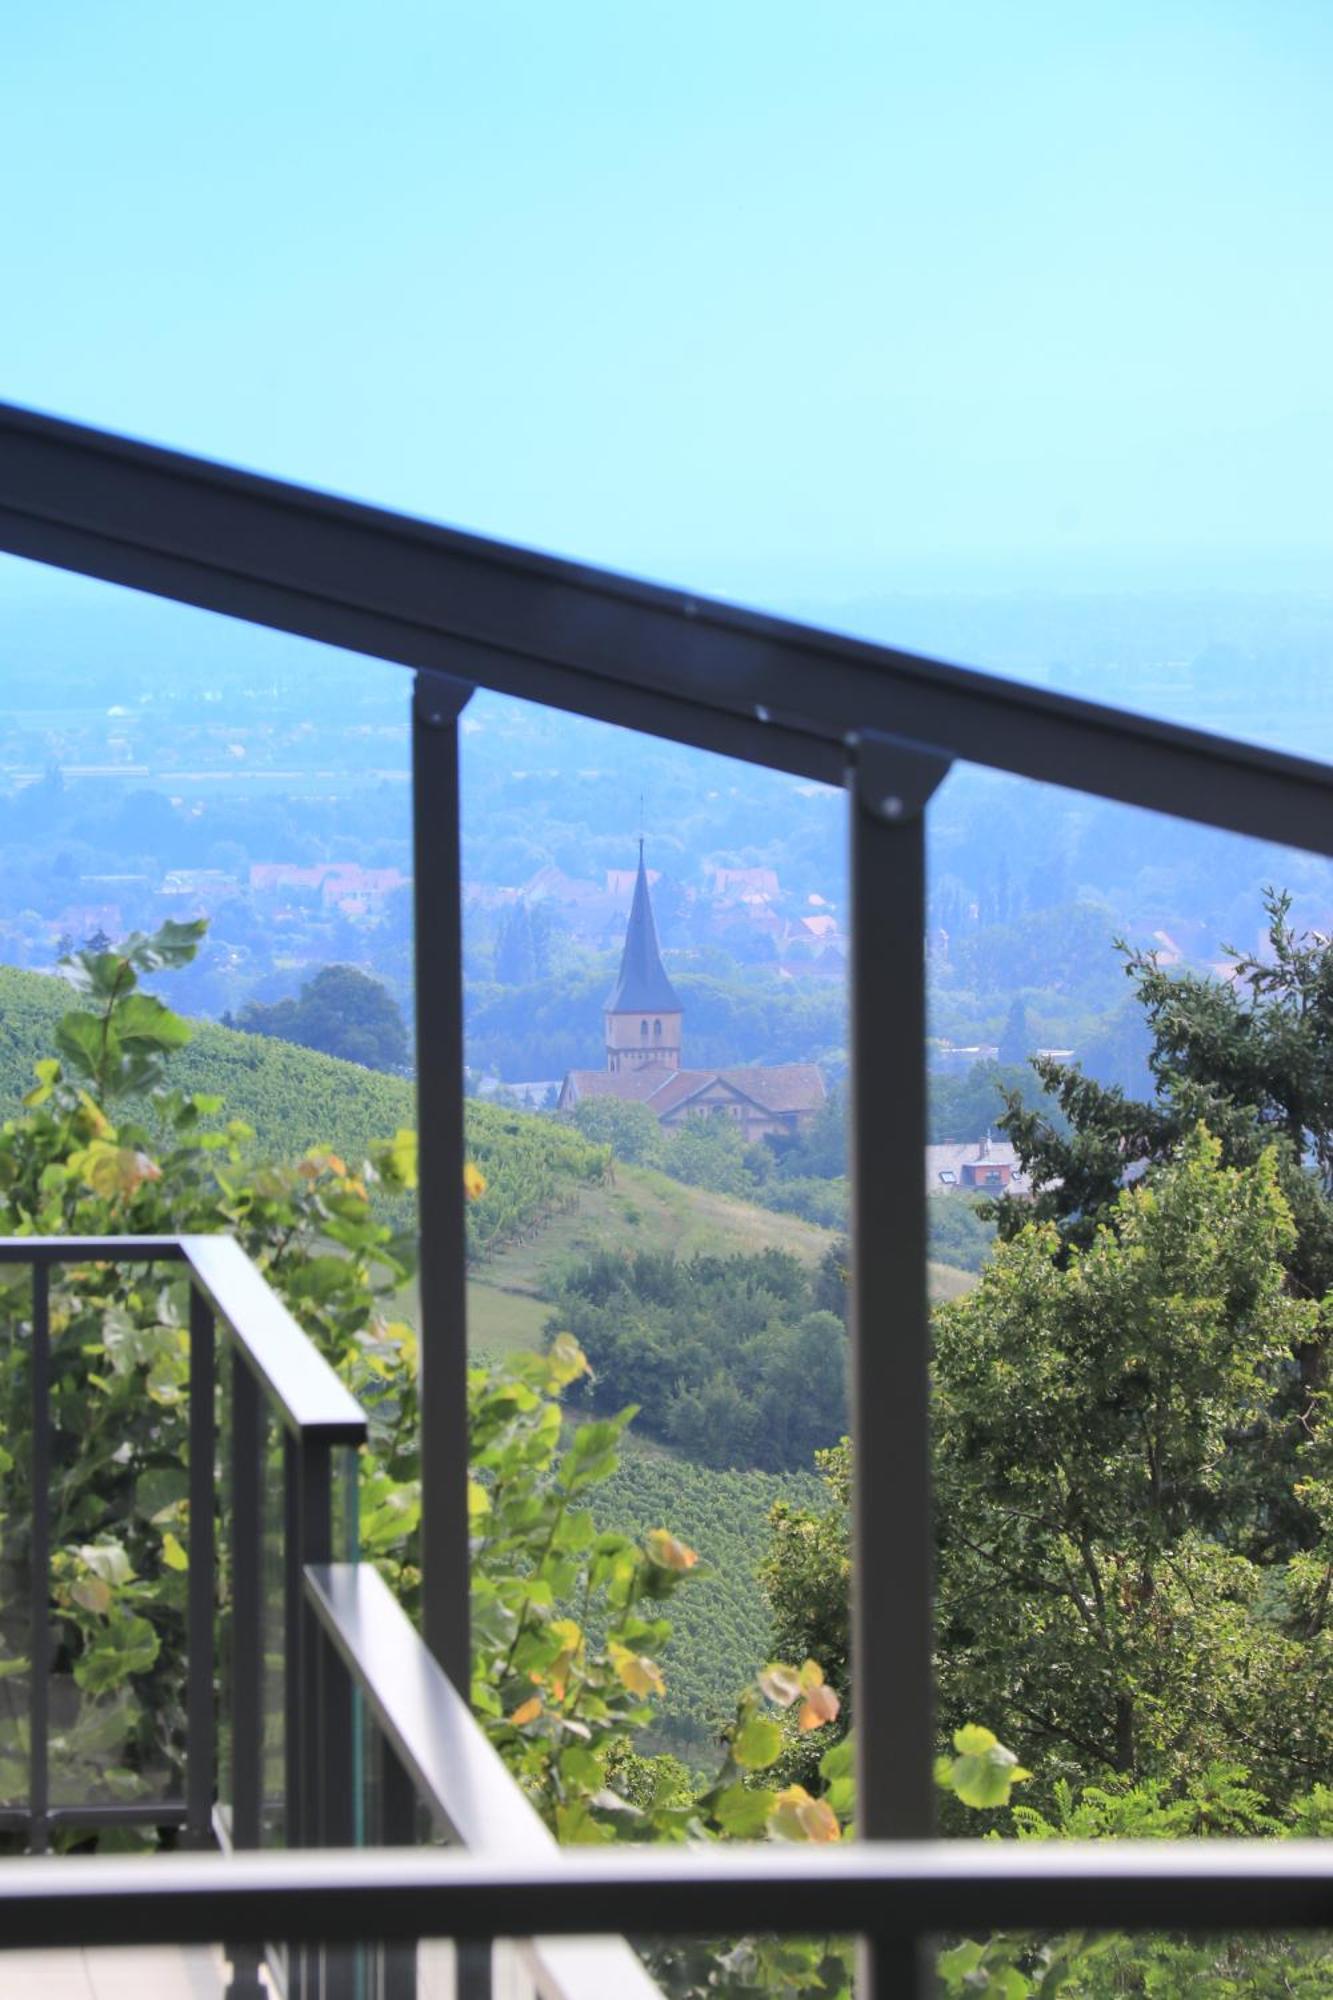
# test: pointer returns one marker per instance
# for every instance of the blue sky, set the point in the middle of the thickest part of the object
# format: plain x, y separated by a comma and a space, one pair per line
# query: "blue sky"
794, 303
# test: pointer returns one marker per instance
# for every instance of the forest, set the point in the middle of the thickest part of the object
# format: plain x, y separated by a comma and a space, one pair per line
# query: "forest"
737, 1361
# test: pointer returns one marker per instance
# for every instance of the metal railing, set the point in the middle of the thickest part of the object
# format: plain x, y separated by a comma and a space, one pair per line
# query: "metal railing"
895, 1894
467, 613
425, 1746
271, 1361
366, 1711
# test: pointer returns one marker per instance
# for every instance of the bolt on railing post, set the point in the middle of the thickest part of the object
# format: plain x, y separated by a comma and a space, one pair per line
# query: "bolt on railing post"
437, 704
200, 1724
39, 1564
890, 784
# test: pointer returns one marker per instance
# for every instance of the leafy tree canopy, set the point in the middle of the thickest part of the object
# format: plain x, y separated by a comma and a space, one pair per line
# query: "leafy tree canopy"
342, 1012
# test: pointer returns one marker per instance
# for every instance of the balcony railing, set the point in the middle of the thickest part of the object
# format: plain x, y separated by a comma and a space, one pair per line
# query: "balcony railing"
466, 613
378, 1746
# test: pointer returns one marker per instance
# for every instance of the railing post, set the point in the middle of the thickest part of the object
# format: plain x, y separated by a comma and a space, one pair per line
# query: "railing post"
437, 704
200, 1725
39, 1565
892, 1636
397, 1828
247, 1647
307, 1538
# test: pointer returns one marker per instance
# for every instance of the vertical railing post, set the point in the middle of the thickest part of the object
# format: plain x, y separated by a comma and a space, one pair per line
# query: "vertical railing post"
397, 1828
890, 784
39, 1562
307, 1538
247, 1647
437, 704
200, 1722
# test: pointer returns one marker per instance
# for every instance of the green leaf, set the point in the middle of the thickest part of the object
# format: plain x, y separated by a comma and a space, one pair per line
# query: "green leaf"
758, 1743
984, 1773
142, 1022
79, 1040
742, 1813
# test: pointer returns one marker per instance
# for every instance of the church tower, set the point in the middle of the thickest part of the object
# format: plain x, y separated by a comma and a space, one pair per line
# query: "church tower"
643, 1014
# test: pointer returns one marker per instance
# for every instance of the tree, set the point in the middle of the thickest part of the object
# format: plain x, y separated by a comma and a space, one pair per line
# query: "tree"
1094, 1580
523, 946
1096, 1515
630, 1130
1252, 1057
341, 1012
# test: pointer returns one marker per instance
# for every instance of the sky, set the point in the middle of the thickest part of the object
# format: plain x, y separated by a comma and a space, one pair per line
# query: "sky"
797, 304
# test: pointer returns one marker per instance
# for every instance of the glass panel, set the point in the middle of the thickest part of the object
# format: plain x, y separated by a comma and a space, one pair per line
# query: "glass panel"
162, 767
119, 1534
658, 1063
273, 1695
15, 1535
1130, 1425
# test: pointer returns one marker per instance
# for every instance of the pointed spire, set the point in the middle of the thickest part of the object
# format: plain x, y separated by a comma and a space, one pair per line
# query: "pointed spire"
643, 987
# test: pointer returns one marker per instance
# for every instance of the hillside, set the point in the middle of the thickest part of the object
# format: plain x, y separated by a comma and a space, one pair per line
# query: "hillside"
720, 1622
551, 1199
637, 1209
294, 1098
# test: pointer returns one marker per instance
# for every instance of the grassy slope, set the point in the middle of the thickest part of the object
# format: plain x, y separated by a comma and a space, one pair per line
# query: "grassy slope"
293, 1097
641, 1207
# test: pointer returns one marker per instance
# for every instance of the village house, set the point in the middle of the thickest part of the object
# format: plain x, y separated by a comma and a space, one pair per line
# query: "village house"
981, 1166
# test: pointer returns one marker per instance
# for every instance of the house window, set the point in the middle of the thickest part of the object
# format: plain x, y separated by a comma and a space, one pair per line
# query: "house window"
657, 1031
948, 1177
643, 1031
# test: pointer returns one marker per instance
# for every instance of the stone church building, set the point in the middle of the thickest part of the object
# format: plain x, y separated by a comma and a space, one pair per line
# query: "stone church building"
643, 1020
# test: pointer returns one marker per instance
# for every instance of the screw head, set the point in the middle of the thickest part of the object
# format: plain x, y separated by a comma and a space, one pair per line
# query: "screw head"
761, 713
892, 806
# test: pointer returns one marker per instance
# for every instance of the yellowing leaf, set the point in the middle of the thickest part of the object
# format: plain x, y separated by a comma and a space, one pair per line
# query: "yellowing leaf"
781, 1684
812, 1676
173, 1555
92, 1594
101, 1125
635, 1671
796, 1816
116, 1170
821, 1705
565, 1360
527, 1711
474, 1182
478, 1500
668, 1553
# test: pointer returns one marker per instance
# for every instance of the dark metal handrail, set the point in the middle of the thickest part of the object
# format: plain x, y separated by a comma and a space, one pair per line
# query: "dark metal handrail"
902, 1891
665, 661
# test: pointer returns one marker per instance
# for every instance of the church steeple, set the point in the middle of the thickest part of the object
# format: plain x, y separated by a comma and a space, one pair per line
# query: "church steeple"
643, 1013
